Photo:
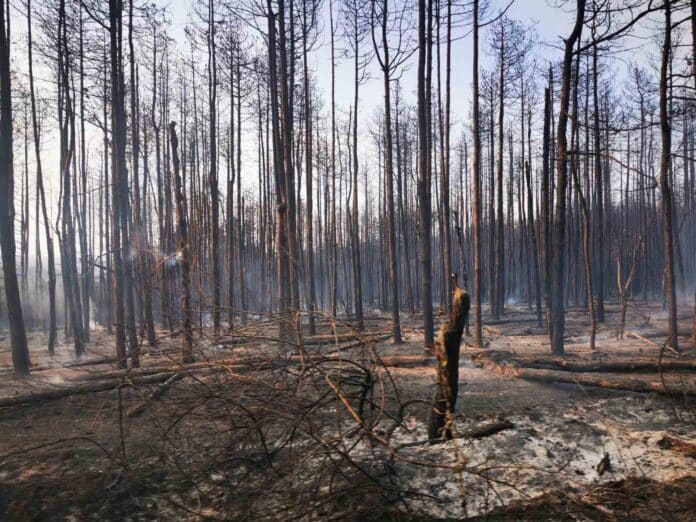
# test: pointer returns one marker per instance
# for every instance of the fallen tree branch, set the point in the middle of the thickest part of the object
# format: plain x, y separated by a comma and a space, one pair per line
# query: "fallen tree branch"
156, 393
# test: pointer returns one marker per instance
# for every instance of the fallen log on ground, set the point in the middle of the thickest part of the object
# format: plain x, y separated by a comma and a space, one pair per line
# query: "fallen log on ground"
486, 430
478, 432
584, 379
575, 365
90, 387
675, 444
340, 338
358, 344
657, 334
512, 320
156, 375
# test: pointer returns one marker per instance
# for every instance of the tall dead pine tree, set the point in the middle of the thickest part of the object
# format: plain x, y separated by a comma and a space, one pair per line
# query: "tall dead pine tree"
665, 189
476, 197
20, 352
213, 175
424, 197
183, 251
388, 62
52, 328
558, 268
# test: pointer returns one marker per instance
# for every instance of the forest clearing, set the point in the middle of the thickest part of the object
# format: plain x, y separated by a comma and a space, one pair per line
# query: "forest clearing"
348, 260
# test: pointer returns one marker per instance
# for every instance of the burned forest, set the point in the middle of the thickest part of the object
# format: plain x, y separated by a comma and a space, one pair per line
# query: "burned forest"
348, 260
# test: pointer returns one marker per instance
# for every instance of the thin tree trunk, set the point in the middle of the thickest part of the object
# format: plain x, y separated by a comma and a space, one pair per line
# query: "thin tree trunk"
184, 251
476, 177
52, 327
665, 189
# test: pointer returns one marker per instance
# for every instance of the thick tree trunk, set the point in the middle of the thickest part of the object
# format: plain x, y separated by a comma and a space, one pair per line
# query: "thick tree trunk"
447, 352
558, 276
424, 166
20, 352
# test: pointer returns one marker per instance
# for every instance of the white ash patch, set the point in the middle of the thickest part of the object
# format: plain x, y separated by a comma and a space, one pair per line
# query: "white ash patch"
546, 450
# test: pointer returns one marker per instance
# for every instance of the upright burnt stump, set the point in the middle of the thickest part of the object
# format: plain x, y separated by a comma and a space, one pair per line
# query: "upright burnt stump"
447, 354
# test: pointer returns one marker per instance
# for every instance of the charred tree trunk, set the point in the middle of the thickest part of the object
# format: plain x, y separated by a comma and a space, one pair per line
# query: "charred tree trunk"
558, 277
424, 166
52, 322
183, 251
476, 175
665, 189
389, 178
447, 352
213, 174
20, 351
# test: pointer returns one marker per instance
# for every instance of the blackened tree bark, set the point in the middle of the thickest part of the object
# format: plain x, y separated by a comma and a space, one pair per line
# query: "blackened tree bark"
20, 351
476, 178
447, 352
183, 252
388, 61
66, 117
665, 189
546, 208
118, 170
497, 305
309, 15
599, 194
52, 326
558, 276
213, 174
424, 173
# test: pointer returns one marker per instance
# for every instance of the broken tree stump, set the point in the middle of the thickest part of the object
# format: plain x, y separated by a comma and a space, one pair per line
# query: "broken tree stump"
447, 355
